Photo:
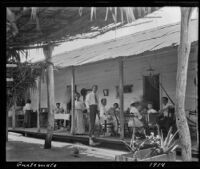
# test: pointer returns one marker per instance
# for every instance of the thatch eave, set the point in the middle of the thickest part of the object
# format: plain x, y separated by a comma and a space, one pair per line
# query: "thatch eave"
57, 24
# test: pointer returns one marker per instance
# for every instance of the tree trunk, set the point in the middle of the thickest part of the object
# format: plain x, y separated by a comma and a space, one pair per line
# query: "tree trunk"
181, 82
196, 96
50, 95
73, 101
121, 96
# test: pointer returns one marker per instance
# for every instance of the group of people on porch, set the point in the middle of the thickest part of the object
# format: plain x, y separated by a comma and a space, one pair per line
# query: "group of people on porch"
94, 111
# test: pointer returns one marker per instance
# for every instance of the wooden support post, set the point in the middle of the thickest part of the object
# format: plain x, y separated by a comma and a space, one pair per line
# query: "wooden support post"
196, 97
121, 96
181, 83
197, 120
47, 50
73, 101
6, 124
14, 115
39, 102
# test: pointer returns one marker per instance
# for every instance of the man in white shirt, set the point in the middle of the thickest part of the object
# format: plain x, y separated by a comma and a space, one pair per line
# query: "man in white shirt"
92, 102
164, 121
166, 106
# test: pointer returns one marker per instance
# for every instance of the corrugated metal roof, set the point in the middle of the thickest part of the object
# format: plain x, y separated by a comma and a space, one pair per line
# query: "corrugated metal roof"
149, 40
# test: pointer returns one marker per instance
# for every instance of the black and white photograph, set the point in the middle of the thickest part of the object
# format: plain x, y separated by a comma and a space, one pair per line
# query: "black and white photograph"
102, 84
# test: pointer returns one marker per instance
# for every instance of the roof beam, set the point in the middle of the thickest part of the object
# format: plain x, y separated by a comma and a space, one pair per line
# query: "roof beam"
29, 47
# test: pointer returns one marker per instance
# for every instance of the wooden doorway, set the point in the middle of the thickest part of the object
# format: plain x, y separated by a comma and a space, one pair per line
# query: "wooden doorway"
151, 90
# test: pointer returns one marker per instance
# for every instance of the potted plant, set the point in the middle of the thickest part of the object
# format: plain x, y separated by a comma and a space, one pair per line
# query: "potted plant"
161, 149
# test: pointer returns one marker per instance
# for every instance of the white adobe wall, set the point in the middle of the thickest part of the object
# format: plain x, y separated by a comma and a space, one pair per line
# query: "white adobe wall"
105, 75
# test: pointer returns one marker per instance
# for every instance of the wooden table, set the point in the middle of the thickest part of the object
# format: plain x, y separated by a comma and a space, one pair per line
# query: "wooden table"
62, 116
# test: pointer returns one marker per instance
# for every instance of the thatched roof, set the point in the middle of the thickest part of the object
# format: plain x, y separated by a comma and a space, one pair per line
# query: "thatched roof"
56, 24
127, 46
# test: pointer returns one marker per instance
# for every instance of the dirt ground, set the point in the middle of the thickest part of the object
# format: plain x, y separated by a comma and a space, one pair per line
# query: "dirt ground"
20, 151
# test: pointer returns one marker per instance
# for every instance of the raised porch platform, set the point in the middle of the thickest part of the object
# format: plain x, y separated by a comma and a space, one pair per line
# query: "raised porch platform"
64, 136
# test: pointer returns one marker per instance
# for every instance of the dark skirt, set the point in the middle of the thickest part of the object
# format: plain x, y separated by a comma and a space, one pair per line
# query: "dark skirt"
27, 119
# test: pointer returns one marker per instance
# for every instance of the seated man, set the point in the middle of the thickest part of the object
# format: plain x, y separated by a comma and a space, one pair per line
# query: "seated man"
58, 110
165, 114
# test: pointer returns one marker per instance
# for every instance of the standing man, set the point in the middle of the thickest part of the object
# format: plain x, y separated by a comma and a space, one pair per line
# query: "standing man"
92, 102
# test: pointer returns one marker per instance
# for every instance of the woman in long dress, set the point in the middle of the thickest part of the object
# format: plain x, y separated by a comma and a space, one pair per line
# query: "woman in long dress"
27, 113
79, 121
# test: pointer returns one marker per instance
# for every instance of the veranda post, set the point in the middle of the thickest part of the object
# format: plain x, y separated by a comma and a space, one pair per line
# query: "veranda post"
50, 95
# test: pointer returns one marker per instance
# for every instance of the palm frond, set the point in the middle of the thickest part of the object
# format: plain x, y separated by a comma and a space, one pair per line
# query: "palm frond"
122, 14
34, 12
129, 12
93, 12
168, 136
128, 146
161, 139
10, 15
34, 16
115, 15
173, 146
107, 10
80, 11
170, 140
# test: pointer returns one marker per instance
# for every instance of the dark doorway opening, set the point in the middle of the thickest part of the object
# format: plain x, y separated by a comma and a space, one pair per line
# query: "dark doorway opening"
151, 90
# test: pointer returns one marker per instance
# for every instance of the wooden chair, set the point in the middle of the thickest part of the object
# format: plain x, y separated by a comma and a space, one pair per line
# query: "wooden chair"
169, 121
191, 113
106, 128
153, 122
19, 120
127, 131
